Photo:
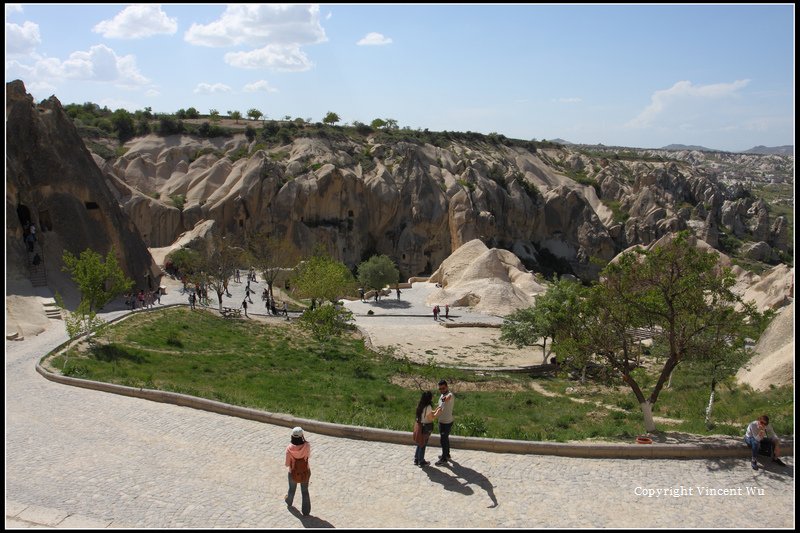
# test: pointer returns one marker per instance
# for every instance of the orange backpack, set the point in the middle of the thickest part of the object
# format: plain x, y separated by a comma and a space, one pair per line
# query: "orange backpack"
301, 473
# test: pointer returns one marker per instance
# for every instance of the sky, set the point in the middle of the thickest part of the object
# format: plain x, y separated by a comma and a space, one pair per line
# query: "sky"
719, 76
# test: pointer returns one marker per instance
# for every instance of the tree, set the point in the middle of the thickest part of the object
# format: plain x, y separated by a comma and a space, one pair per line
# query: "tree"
270, 256
549, 316
221, 261
254, 113
331, 118
192, 113
721, 352
324, 278
98, 281
250, 133
677, 291
214, 115
326, 321
235, 115
185, 261
377, 124
123, 123
377, 272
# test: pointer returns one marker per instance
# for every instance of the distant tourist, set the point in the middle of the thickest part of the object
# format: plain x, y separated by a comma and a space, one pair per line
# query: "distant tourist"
361, 293
447, 311
298, 454
244, 306
398, 292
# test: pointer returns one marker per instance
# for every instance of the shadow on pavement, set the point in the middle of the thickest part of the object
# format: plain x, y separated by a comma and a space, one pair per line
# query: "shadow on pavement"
470, 477
765, 467
389, 304
448, 481
310, 521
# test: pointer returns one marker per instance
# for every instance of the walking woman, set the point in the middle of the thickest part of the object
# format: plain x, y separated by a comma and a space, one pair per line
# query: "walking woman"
425, 418
297, 455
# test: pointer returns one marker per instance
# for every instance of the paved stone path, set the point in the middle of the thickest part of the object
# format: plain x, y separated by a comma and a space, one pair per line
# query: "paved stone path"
81, 458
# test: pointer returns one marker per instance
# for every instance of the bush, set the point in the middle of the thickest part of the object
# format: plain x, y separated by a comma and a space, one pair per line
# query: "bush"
470, 426
326, 321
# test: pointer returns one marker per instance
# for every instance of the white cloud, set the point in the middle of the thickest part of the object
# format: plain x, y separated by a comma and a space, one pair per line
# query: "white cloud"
207, 88
22, 39
374, 39
276, 57
99, 63
136, 22
13, 8
258, 25
684, 99
152, 92
40, 90
260, 85
572, 100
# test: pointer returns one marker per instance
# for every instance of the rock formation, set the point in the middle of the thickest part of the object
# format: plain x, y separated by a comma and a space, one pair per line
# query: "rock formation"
488, 280
53, 181
773, 363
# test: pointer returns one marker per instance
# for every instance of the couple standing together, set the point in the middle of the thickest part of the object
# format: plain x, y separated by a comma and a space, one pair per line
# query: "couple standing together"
425, 416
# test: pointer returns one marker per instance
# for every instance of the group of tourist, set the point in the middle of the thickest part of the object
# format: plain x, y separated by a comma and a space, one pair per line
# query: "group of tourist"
142, 299
437, 311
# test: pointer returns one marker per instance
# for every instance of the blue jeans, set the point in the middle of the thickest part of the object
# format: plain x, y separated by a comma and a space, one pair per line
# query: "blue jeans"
303, 490
419, 454
754, 445
765, 445
444, 437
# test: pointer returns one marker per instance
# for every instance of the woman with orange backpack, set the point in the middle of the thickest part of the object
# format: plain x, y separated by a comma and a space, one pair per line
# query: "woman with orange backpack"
297, 455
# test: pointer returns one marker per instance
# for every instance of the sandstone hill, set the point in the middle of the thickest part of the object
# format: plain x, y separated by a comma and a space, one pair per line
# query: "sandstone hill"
773, 363
414, 196
417, 198
488, 280
53, 181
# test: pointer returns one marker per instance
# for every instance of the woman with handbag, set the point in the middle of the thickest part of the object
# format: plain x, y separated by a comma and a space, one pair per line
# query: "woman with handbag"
423, 427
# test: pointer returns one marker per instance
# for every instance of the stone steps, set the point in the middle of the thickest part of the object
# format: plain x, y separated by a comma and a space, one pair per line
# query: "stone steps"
52, 310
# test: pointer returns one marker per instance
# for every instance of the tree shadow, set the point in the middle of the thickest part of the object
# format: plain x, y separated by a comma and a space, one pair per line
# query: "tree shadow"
310, 521
677, 437
111, 352
390, 304
470, 477
766, 467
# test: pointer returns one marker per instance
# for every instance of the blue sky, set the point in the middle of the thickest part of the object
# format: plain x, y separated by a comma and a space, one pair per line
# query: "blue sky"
721, 76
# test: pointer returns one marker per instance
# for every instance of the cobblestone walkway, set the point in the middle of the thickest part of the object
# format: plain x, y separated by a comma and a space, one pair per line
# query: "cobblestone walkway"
80, 458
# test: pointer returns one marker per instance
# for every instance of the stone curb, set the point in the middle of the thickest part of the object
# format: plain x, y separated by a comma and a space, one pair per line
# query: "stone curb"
587, 450
651, 451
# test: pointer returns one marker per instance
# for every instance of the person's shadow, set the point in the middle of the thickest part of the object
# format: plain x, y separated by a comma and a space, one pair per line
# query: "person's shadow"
470, 477
310, 521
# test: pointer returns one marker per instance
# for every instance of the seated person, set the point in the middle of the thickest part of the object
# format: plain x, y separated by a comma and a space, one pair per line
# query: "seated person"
756, 437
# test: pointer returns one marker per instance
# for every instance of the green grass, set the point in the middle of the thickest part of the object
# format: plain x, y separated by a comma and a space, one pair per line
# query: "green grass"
277, 367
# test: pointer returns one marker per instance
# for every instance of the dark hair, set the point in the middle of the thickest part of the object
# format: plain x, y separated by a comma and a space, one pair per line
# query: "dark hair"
424, 401
442, 382
298, 440
765, 419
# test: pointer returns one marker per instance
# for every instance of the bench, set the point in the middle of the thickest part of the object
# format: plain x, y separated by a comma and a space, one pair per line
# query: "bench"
230, 312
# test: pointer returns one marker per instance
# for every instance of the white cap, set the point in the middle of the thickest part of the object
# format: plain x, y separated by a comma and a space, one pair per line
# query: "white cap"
297, 432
